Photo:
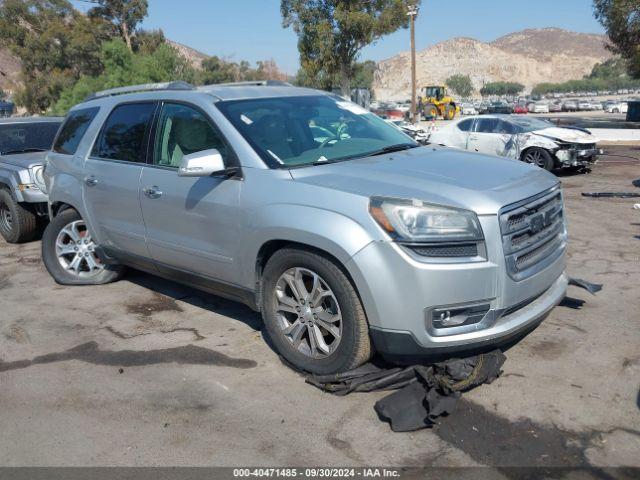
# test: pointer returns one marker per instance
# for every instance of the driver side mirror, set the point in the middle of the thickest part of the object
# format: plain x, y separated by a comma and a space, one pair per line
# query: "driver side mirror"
201, 164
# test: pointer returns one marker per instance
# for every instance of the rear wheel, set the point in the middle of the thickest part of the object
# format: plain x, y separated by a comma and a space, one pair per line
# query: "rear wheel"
312, 313
69, 253
539, 157
17, 224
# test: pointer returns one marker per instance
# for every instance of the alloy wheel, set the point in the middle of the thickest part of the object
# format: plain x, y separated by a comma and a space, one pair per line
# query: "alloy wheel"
75, 250
308, 313
535, 157
6, 218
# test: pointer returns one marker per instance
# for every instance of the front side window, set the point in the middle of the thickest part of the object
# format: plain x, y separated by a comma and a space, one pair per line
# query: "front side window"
25, 137
123, 134
73, 129
297, 131
465, 125
183, 130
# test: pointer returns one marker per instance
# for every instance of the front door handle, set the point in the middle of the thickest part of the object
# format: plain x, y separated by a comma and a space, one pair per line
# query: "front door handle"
91, 181
152, 192
472, 137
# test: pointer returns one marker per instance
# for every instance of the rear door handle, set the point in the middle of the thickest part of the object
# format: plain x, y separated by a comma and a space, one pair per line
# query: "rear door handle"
91, 181
152, 192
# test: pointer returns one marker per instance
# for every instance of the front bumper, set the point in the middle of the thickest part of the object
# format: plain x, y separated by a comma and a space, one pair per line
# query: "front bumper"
507, 328
578, 157
400, 295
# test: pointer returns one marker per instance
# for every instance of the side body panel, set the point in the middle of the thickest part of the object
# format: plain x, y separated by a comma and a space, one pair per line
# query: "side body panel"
195, 223
113, 204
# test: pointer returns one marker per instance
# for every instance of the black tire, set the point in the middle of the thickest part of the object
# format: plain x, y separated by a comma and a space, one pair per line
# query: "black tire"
539, 157
17, 224
450, 112
354, 347
108, 274
430, 111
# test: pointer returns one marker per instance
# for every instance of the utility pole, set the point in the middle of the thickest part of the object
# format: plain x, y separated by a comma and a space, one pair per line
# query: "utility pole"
412, 13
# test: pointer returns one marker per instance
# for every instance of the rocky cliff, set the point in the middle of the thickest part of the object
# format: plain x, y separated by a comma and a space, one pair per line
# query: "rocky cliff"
529, 57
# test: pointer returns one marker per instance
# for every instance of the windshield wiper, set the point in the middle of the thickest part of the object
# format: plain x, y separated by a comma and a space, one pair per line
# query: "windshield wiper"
389, 149
392, 148
23, 150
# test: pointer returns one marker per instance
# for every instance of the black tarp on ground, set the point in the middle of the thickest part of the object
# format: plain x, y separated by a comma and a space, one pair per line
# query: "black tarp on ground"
425, 391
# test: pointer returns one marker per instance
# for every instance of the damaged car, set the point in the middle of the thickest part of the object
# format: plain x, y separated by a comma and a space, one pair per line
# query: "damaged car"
531, 140
416, 132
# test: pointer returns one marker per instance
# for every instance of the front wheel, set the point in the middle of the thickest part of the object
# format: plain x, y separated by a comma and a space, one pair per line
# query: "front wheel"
313, 314
539, 157
17, 224
69, 253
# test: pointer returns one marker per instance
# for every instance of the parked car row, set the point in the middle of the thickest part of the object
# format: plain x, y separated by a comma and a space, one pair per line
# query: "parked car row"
340, 229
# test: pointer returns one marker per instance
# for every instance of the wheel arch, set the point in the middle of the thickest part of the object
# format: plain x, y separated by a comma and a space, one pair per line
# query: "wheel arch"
270, 247
56, 208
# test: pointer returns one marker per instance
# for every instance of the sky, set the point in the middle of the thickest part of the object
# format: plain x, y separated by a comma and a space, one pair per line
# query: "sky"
252, 29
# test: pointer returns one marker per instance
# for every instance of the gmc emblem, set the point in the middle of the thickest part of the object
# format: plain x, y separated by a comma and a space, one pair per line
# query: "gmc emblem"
540, 221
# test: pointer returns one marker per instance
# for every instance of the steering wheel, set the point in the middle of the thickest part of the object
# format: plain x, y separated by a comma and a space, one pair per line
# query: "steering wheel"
329, 140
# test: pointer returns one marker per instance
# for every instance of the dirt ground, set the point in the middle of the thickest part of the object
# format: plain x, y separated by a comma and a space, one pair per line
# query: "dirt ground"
146, 372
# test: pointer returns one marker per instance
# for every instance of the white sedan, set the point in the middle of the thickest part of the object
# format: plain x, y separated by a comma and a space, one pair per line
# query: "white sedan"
620, 107
538, 107
529, 139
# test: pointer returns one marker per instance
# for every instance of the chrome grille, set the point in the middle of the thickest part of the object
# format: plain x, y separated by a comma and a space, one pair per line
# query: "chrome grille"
533, 233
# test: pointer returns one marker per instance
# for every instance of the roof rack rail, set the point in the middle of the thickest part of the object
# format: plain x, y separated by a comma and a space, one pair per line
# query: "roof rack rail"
256, 83
147, 87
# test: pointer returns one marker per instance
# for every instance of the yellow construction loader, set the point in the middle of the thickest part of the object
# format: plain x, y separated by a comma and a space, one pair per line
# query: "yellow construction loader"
433, 102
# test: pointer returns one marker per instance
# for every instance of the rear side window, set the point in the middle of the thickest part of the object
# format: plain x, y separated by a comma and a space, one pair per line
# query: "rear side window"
73, 129
487, 125
505, 127
124, 132
465, 125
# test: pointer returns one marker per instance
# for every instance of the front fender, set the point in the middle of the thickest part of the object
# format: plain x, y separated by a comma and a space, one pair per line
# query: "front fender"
334, 233
64, 188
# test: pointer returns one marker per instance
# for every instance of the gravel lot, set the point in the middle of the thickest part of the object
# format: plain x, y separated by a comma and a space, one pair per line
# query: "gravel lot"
147, 372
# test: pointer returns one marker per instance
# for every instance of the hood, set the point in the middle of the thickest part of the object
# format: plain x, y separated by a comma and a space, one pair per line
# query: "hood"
26, 160
437, 175
567, 135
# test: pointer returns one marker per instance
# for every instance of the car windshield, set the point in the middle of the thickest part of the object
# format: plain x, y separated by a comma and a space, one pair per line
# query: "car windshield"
530, 124
27, 137
309, 130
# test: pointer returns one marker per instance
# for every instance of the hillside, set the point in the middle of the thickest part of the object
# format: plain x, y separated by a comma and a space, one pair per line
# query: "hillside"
194, 57
9, 70
529, 57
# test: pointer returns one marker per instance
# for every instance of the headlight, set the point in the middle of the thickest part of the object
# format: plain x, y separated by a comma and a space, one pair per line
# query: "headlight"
416, 221
38, 178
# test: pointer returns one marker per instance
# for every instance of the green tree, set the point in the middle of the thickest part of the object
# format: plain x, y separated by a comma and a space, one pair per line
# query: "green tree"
612, 68
331, 33
501, 88
125, 15
362, 77
123, 67
55, 43
363, 74
460, 84
621, 20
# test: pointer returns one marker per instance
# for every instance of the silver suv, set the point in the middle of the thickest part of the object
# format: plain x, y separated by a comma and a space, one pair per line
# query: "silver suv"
342, 231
